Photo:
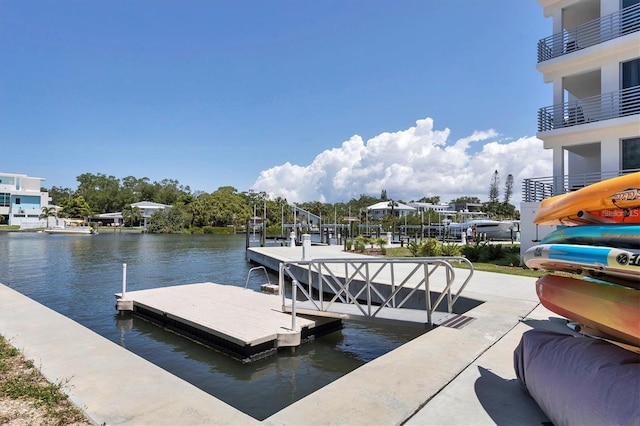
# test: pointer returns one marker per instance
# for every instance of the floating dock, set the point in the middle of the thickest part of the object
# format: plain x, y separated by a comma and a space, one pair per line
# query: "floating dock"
243, 323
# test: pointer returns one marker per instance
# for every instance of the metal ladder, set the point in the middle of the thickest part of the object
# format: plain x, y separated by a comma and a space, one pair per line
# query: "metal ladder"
267, 287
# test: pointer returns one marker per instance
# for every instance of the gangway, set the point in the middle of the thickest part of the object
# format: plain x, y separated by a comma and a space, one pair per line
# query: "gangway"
378, 288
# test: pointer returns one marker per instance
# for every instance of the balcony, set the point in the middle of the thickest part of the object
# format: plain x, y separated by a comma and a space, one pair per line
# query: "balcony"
537, 189
595, 108
608, 27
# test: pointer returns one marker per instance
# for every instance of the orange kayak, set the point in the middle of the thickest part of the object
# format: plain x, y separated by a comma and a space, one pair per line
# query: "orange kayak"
615, 200
611, 309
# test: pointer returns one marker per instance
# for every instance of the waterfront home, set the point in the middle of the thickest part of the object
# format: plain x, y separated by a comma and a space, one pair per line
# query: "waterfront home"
592, 59
21, 200
147, 209
384, 208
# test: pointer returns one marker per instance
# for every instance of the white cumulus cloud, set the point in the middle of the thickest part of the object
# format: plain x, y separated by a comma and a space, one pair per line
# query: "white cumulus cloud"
410, 164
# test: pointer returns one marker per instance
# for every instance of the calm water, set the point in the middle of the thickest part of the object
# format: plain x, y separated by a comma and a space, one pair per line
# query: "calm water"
78, 276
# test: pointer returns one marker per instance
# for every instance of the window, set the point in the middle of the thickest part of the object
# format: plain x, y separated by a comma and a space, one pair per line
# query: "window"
631, 154
5, 199
17, 200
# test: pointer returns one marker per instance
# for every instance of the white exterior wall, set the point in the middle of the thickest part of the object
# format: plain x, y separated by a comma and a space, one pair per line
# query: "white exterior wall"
24, 186
531, 235
610, 154
606, 59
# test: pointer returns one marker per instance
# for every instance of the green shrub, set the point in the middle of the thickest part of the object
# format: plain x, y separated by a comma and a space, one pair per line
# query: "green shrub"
430, 247
414, 248
450, 249
349, 244
472, 251
381, 242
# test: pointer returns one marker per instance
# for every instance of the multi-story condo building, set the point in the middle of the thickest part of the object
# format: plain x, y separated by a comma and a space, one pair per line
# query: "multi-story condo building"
592, 59
21, 200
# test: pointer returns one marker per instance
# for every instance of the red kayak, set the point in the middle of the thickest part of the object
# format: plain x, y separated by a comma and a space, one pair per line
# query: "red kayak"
611, 309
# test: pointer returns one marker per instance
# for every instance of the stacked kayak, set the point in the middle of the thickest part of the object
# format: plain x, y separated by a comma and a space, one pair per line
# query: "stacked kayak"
614, 200
597, 247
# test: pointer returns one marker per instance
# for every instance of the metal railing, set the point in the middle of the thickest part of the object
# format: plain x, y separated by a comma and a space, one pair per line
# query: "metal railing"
246, 284
595, 108
606, 28
537, 189
370, 284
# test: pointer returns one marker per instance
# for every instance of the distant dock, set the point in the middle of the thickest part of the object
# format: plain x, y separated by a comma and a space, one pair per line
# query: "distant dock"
243, 323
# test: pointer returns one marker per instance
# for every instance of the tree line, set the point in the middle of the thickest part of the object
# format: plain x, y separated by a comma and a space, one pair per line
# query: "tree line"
227, 207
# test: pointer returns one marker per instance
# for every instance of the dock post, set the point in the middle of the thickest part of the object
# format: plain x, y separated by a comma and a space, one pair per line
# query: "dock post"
306, 246
294, 295
124, 280
123, 304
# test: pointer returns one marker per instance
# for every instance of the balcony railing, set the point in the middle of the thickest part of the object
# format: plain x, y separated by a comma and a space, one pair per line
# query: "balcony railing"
537, 189
597, 31
595, 108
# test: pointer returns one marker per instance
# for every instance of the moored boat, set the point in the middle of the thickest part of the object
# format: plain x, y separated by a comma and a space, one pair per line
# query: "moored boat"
70, 226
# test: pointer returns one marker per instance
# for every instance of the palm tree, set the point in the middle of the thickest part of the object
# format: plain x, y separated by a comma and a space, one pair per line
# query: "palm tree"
131, 214
393, 205
48, 211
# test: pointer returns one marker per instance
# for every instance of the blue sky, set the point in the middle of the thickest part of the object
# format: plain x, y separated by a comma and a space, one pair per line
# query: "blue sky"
311, 100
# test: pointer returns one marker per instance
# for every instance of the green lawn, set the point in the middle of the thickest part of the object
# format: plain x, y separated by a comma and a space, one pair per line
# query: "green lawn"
487, 267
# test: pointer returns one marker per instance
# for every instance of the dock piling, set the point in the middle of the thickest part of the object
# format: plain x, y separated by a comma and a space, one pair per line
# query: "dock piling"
124, 280
123, 304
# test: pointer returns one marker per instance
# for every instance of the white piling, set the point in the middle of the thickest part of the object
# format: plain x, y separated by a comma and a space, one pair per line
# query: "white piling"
306, 246
124, 280
123, 304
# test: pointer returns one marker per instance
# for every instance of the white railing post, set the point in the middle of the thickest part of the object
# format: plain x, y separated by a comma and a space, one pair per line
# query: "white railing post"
306, 246
124, 280
294, 295
281, 283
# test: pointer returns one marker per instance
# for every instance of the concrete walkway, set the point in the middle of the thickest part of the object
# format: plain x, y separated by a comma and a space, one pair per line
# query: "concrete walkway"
446, 376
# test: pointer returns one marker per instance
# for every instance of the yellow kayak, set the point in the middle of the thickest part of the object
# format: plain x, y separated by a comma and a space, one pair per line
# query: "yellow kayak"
615, 200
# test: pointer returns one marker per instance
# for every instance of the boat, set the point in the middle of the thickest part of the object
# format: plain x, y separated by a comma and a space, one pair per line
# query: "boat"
623, 236
609, 264
71, 226
496, 229
611, 309
488, 229
615, 200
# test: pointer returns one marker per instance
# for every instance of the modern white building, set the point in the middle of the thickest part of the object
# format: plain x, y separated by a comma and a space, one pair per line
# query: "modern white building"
21, 200
592, 59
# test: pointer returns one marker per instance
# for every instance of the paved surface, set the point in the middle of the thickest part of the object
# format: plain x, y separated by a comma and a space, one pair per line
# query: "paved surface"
447, 376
